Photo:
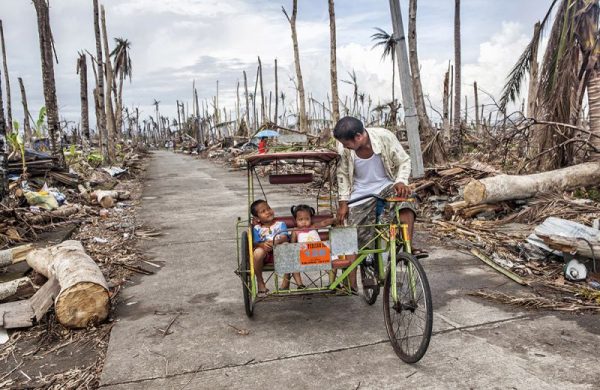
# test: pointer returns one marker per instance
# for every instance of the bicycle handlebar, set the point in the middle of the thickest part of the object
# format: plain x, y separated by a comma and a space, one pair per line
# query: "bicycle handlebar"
410, 198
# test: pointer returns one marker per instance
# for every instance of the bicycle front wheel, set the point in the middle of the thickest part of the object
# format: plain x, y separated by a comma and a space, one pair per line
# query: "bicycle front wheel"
409, 318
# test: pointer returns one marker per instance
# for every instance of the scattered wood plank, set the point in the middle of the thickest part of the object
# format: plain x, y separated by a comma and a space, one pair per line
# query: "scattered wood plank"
23, 314
498, 268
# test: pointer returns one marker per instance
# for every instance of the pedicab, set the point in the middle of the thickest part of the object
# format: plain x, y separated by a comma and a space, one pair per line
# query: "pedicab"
327, 264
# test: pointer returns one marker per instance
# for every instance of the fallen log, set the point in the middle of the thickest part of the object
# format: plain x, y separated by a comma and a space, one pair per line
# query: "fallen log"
507, 187
61, 212
16, 289
107, 198
470, 212
14, 255
83, 296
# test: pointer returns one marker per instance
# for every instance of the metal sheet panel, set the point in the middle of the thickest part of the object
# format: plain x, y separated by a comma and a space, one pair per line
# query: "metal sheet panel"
287, 259
344, 241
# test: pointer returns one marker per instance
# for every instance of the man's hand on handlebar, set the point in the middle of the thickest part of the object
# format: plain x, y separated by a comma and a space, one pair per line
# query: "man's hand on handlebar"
342, 212
402, 190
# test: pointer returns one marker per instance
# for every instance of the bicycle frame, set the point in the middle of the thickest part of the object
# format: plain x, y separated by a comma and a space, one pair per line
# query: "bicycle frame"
390, 247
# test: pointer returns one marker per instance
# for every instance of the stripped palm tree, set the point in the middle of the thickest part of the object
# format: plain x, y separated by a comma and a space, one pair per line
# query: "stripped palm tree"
122, 67
569, 69
388, 42
354, 83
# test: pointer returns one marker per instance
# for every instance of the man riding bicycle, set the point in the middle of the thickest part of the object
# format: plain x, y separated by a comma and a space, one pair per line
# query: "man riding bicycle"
372, 162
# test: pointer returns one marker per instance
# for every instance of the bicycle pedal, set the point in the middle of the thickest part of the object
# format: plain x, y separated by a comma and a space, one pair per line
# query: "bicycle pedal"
421, 255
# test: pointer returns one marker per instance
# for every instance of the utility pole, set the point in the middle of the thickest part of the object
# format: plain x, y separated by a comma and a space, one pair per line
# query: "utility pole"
408, 101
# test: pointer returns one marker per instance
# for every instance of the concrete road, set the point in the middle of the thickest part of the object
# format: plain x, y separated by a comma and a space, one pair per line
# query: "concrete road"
337, 343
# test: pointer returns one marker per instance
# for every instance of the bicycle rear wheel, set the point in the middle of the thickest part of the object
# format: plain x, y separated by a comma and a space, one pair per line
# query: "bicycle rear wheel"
368, 277
408, 321
245, 275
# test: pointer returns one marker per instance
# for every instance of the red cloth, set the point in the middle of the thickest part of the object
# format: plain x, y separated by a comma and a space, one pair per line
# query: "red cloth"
262, 146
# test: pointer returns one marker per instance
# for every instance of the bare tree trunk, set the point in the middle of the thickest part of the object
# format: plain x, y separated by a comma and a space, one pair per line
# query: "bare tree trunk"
533, 77
333, 65
111, 130
247, 103
302, 100
47, 56
254, 110
237, 105
26, 125
3, 150
263, 115
99, 99
594, 104
83, 94
457, 134
414, 68
7, 79
476, 93
445, 106
412, 123
275, 119
119, 105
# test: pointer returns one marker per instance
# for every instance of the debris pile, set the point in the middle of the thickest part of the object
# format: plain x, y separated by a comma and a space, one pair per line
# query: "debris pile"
66, 284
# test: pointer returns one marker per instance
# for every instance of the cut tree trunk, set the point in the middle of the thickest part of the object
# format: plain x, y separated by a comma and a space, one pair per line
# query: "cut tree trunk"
507, 187
83, 296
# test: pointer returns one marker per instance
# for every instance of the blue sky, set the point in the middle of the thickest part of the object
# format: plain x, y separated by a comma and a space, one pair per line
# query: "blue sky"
177, 41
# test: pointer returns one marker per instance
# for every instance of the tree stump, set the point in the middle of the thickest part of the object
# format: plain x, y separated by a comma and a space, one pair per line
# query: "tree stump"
83, 296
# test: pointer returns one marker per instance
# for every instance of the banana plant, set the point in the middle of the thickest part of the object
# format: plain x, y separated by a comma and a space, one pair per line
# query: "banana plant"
15, 140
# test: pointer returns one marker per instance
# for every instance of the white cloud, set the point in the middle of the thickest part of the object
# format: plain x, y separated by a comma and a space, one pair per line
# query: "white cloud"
177, 41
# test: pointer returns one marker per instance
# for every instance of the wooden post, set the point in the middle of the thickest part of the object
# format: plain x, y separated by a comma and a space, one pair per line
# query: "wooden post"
410, 114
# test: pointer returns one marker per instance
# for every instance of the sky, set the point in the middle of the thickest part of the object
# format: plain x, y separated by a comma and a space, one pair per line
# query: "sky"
178, 42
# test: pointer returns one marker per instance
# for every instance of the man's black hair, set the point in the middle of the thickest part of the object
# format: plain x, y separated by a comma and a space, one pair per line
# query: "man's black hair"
254, 205
302, 207
347, 128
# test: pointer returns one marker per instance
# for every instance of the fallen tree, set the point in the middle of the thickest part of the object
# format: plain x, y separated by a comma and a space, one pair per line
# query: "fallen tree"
507, 187
83, 296
14, 255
